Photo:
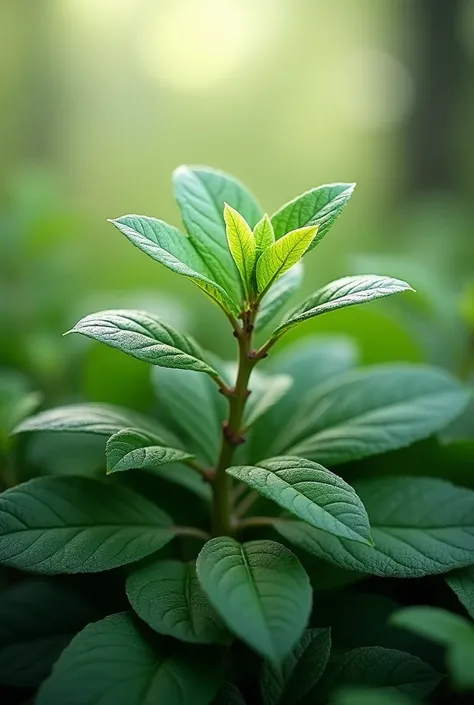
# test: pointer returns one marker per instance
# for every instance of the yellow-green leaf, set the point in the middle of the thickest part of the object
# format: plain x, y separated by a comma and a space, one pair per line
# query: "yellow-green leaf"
282, 255
263, 234
241, 244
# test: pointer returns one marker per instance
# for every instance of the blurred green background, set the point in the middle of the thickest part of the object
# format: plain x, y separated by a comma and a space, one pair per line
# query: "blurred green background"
102, 99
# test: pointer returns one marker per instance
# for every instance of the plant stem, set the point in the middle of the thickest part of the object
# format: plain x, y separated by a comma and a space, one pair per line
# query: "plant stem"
257, 521
232, 433
245, 504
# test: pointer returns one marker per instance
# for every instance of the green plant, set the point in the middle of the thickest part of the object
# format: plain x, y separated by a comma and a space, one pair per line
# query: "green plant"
206, 581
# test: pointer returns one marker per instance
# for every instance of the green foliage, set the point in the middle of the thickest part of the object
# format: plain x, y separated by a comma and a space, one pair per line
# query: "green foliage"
219, 465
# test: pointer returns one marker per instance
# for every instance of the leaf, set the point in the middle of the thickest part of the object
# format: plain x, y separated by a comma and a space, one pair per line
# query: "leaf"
259, 589
145, 337
100, 419
170, 247
371, 411
370, 696
182, 475
434, 623
241, 245
282, 255
421, 526
201, 193
112, 662
447, 629
191, 406
229, 694
320, 206
77, 525
33, 631
311, 492
278, 296
347, 291
263, 234
266, 391
309, 363
168, 597
394, 671
289, 682
132, 449
461, 583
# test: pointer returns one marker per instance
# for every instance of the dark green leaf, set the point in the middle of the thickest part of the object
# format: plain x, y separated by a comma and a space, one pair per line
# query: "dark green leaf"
260, 590
421, 526
311, 492
167, 596
38, 618
347, 291
201, 194
113, 662
77, 525
289, 682
462, 583
371, 411
266, 391
319, 206
229, 694
370, 696
133, 449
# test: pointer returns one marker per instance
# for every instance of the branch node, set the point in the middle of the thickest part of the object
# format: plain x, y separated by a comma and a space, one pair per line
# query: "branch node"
235, 439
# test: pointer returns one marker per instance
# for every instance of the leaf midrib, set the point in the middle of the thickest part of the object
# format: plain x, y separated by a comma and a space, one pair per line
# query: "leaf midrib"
256, 594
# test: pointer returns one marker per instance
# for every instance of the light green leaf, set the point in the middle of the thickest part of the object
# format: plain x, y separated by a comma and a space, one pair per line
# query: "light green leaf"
95, 418
260, 590
434, 623
459, 658
112, 662
370, 696
201, 193
170, 247
241, 245
229, 694
282, 255
289, 682
347, 291
145, 337
394, 671
33, 631
192, 407
319, 206
421, 526
77, 525
309, 363
278, 295
311, 492
168, 597
263, 234
462, 584
266, 391
132, 449
371, 411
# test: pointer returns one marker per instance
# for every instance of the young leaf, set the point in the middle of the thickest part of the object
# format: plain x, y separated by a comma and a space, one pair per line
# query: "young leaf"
145, 337
95, 418
34, 632
260, 590
168, 597
370, 696
113, 662
319, 206
170, 247
289, 682
379, 667
282, 255
201, 193
241, 245
229, 694
77, 525
421, 526
266, 391
309, 363
278, 296
347, 291
462, 584
371, 411
312, 493
191, 406
263, 234
132, 449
